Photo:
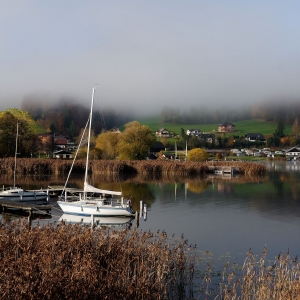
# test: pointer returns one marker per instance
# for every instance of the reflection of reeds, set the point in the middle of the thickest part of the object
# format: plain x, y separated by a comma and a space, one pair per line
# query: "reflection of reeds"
75, 262
156, 168
77, 179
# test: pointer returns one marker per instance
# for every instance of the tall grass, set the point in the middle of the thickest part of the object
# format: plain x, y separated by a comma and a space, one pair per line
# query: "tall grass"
157, 167
262, 279
76, 262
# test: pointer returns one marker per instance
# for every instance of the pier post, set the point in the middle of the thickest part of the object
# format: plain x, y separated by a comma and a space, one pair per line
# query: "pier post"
141, 208
137, 219
92, 221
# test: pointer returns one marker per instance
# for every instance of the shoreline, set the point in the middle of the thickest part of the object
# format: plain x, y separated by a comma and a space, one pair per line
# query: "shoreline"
35, 166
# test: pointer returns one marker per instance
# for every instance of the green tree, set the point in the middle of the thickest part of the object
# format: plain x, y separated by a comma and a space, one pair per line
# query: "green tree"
8, 129
135, 141
197, 154
194, 142
296, 128
279, 132
23, 117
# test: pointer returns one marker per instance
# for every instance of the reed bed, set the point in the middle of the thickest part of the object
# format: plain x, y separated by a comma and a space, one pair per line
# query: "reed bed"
76, 262
163, 168
262, 279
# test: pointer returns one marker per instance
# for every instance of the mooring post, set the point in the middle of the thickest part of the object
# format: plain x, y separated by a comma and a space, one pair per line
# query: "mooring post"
137, 219
141, 208
92, 221
145, 212
29, 218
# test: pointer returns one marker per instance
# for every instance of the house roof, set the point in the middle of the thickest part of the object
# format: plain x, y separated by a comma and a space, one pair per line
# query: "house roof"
162, 129
206, 135
293, 149
62, 152
257, 135
226, 124
151, 156
157, 147
61, 141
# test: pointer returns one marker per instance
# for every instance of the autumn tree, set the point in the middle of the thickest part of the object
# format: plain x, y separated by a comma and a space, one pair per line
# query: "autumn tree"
219, 155
82, 141
26, 132
107, 145
197, 154
135, 141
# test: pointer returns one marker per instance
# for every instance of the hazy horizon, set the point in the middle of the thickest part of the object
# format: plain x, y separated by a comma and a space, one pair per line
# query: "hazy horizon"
145, 55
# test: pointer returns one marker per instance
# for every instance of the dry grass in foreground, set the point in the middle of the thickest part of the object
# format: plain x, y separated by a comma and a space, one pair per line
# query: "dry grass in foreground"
261, 279
75, 262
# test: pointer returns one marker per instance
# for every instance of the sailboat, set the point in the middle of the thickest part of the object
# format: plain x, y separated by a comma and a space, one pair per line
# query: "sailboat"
17, 193
94, 201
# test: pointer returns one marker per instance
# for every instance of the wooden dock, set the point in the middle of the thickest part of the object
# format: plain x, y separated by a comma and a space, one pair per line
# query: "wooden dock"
30, 208
224, 170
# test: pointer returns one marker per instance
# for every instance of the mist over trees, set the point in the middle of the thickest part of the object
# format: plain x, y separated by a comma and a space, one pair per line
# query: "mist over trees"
69, 118
270, 111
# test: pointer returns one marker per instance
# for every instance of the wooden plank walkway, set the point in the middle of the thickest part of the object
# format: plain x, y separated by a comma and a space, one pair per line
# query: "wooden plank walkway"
31, 208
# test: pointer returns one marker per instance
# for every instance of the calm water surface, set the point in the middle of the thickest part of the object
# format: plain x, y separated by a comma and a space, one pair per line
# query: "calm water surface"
221, 215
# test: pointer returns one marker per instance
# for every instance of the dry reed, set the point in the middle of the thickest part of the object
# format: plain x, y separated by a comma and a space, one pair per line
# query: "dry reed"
261, 279
75, 262
161, 168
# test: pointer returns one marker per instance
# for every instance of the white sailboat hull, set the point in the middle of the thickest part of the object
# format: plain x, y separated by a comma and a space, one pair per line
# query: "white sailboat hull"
22, 196
113, 221
95, 208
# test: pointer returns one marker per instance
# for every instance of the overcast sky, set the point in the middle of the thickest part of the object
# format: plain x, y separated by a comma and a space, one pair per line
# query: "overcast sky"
148, 54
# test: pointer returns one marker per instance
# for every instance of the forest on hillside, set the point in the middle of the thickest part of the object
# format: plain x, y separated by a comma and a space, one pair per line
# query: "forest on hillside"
272, 111
68, 118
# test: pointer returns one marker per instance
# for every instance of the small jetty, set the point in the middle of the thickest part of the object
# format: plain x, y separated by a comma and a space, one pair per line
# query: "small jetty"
224, 170
30, 208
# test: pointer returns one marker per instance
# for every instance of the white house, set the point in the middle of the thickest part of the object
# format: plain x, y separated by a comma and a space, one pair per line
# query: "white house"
253, 137
163, 132
293, 152
62, 154
194, 132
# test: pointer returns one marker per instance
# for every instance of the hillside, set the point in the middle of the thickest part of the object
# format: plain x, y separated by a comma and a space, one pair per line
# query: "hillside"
242, 127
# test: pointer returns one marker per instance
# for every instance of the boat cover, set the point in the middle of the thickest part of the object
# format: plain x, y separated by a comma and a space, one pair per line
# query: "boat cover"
91, 189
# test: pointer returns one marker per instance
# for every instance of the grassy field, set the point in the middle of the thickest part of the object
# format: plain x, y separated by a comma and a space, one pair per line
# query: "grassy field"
242, 127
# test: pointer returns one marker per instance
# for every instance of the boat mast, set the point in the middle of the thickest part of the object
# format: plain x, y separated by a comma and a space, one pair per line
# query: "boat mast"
89, 139
16, 152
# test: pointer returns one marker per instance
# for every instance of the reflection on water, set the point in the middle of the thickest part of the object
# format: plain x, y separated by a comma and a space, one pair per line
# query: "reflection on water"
220, 215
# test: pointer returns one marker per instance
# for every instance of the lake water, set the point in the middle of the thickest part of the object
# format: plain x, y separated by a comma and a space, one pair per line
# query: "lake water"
224, 216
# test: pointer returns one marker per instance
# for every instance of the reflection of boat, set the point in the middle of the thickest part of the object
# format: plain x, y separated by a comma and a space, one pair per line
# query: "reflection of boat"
87, 220
87, 203
17, 193
21, 214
